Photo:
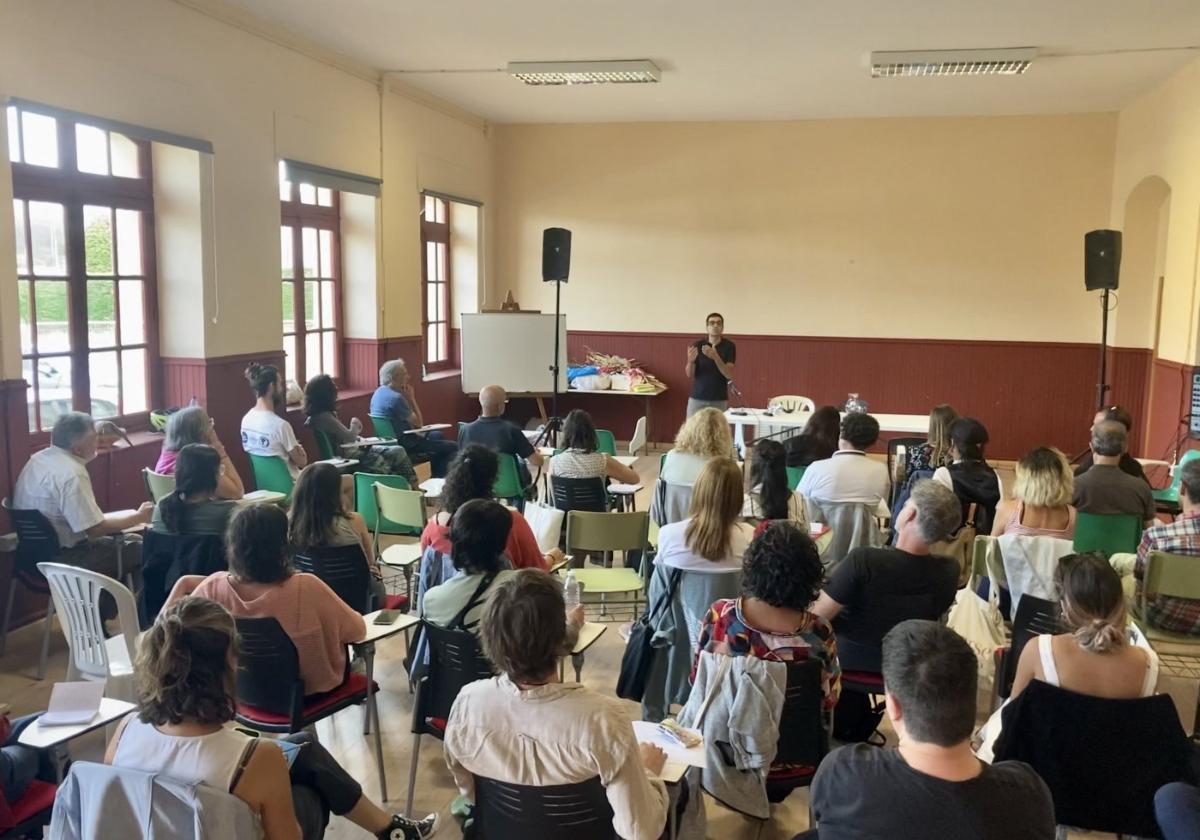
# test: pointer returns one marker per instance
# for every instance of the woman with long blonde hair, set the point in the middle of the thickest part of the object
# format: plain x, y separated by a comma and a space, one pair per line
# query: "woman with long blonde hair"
935, 451
713, 538
703, 436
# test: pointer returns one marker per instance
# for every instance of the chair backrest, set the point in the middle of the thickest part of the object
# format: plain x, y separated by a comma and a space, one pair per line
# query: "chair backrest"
383, 425
158, 485
606, 442
76, 594
508, 478
894, 461
1109, 533
579, 493
364, 502
272, 473
1177, 474
404, 507
1035, 617
343, 568
37, 542
504, 811
590, 531
268, 676
794, 474
638, 439
168, 557
455, 660
803, 732
324, 445
791, 403
1172, 575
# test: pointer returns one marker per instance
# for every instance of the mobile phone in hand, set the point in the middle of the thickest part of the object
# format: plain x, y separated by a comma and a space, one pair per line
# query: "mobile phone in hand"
386, 617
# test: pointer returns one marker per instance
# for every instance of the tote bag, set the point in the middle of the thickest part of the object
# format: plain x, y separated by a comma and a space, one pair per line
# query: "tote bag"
639, 652
546, 523
979, 622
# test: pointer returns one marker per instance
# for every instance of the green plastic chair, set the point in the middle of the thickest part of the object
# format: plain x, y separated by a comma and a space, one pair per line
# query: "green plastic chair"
1170, 495
157, 485
1171, 576
272, 473
1110, 534
364, 503
605, 442
324, 445
794, 475
589, 531
508, 481
383, 426
406, 508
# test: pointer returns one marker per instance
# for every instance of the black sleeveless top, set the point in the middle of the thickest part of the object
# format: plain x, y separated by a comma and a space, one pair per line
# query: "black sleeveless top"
976, 483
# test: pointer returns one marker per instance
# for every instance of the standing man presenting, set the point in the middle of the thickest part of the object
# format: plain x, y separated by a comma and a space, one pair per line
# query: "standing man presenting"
710, 367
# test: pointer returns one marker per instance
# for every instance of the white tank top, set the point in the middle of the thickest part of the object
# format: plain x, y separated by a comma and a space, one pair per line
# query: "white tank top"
1050, 669
206, 759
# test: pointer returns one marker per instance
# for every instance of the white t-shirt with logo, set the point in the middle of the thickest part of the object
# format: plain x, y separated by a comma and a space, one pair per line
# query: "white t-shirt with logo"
266, 433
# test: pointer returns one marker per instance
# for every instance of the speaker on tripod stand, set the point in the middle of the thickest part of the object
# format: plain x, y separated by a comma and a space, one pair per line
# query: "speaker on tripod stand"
1102, 271
556, 268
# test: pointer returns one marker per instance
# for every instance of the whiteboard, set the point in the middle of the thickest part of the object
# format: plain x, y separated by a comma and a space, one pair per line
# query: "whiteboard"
514, 350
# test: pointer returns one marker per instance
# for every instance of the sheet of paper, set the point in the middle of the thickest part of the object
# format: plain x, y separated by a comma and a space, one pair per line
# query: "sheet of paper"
649, 733
73, 703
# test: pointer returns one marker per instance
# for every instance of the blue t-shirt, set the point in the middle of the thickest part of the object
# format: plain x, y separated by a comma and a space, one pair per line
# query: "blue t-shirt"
392, 404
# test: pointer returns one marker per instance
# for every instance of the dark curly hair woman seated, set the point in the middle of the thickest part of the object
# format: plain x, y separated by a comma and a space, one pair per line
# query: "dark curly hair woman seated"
781, 579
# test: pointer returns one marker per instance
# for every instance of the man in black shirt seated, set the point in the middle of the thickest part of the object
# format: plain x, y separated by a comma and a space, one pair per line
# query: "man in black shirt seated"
494, 432
932, 785
874, 589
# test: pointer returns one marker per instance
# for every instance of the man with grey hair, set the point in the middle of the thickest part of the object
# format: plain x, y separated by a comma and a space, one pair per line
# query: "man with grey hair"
396, 400
56, 483
874, 589
1105, 489
1177, 615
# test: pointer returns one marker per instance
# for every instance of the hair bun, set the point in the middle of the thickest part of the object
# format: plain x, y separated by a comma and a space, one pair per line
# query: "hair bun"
252, 371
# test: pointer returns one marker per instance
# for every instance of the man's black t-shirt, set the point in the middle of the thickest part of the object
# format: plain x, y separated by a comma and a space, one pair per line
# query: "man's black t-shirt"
498, 434
862, 792
708, 383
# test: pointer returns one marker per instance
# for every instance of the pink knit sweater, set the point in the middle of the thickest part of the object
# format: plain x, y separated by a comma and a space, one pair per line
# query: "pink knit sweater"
319, 623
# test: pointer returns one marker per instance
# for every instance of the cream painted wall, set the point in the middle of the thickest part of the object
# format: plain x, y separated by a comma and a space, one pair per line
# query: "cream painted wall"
360, 264
1159, 135
182, 205
466, 262
967, 228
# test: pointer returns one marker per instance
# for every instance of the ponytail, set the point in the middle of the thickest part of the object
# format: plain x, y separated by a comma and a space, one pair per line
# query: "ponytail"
172, 510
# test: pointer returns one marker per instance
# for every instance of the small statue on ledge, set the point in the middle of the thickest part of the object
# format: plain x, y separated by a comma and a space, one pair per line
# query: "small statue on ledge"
509, 304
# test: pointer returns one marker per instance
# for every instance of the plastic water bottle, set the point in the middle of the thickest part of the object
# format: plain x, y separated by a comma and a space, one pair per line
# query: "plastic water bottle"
571, 591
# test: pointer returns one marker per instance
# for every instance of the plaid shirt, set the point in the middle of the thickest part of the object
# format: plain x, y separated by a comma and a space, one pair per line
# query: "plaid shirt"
1178, 615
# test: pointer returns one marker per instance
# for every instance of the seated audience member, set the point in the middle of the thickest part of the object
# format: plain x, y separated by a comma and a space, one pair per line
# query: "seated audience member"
973, 481
185, 668
935, 451
932, 785
874, 589
55, 482
849, 475
193, 425
318, 519
1106, 489
320, 407
261, 583
264, 432
1177, 811
769, 496
703, 436
579, 458
781, 579
1177, 615
21, 765
1128, 463
494, 432
396, 400
472, 474
579, 734
713, 538
818, 441
1041, 503
195, 507
1095, 657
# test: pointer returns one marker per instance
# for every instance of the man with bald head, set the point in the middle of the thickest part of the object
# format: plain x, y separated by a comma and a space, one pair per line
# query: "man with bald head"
494, 432
1105, 489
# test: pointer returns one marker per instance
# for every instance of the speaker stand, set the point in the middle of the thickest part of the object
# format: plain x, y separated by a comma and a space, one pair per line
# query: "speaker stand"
1102, 386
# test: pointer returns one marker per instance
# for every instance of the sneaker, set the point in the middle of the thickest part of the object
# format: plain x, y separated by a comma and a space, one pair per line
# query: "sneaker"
402, 828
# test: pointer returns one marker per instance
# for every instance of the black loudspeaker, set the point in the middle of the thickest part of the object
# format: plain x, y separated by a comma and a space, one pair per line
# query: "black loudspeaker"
1101, 259
556, 254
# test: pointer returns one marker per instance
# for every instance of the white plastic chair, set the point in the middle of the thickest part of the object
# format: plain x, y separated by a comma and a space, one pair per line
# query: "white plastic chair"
76, 594
638, 441
790, 403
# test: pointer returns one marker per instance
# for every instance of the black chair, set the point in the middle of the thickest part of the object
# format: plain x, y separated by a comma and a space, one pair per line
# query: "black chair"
586, 494
803, 731
1035, 617
455, 660
893, 450
37, 542
168, 557
506, 811
343, 568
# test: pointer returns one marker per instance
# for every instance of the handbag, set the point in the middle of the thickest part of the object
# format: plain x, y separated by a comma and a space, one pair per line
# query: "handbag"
639, 652
979, 622
546, 523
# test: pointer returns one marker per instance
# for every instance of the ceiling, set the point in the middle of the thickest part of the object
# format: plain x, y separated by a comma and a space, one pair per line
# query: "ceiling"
753, 59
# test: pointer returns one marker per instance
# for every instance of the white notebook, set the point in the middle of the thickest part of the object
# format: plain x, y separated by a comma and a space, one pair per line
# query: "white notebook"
73, 703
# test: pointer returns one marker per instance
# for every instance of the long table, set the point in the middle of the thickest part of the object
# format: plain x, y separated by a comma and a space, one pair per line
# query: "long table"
755, 418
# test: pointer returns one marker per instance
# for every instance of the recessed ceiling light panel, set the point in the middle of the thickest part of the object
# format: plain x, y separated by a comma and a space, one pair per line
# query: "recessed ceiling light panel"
1001, 62
584, 72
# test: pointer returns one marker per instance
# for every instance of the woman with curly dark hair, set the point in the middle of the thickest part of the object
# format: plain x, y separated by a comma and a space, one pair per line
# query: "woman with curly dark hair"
320, 409
781, 578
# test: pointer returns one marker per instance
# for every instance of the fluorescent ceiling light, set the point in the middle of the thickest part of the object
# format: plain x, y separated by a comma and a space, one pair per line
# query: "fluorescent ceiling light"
1002, 62
584, 72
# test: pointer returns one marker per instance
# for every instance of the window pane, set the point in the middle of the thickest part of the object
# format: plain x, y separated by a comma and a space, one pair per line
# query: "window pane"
308, 237
129, 242
324, 196
53, 388
431, 344
430, 262
285, 250
442, 290
308, 194
49, 234
312, 357
330, 358
289, 353
14, 135
103, 372
23, 293
124, 156
289, 308
327, 313
39, 139
31, 391
91, 149
431, 307
102, 320
19, 229
97, 240
133, 312
326, 253
443, 275
133, 381
441, 342
429, 212
310, 305
50, 303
